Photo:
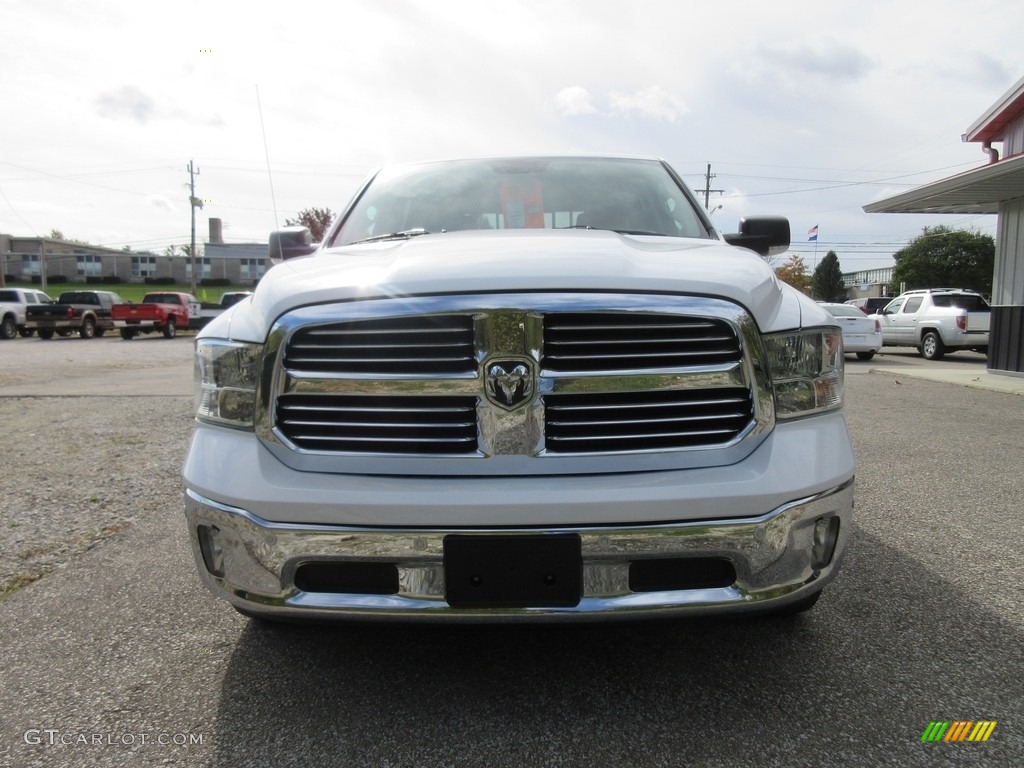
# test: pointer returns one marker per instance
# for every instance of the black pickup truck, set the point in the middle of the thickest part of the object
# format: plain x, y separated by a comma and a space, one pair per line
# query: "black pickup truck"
87, 312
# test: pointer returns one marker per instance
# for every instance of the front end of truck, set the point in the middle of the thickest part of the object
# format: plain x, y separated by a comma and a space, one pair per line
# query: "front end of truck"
520, 425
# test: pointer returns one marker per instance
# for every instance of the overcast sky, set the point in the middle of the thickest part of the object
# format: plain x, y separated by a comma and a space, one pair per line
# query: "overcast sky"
809, 110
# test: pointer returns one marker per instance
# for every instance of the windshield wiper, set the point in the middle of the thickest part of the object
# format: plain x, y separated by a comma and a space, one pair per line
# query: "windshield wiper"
618, 231
405, 234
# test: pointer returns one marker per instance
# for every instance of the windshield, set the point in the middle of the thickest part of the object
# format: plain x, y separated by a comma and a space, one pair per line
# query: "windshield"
629, 196
843, 310
968, 301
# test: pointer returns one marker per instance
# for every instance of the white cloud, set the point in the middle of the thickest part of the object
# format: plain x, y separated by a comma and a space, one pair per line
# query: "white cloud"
161, 201
126, 101
575, 100
652, 102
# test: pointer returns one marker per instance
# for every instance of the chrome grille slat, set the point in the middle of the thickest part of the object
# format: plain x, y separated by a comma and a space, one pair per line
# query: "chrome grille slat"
373, 330
627, 407
371, 409
637, 422
650, 436
333, 362
674, 340
638, 356
554, 325
381, 440
395, 425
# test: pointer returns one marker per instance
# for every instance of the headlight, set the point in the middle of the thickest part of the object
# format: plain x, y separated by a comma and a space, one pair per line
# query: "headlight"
807, 371
226, 376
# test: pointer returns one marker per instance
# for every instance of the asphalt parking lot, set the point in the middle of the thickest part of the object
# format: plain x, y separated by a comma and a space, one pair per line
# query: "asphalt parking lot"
118, 656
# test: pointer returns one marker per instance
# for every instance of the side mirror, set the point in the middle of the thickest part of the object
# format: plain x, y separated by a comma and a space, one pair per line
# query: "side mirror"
291, 242
765, 235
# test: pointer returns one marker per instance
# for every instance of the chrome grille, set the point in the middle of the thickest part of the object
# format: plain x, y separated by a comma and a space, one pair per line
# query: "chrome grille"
414, 345
600, 341
644, 421
375, 424
619, 383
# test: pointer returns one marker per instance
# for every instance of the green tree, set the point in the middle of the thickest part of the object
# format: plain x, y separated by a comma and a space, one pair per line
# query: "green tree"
946, 258
827, 280
317, 220
794, 272
182, 250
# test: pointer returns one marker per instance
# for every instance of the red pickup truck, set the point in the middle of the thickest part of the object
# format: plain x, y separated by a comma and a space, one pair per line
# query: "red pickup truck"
165, 312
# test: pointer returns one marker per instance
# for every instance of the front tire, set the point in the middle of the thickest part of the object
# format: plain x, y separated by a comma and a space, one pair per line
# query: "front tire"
932, 347
46, 333
127, 334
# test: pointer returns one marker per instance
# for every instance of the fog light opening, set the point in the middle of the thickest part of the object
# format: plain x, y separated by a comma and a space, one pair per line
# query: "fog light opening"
678, 573
212, 549
826, 535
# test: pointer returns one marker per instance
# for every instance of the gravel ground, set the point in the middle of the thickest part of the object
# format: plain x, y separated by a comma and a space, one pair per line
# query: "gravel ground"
79, 477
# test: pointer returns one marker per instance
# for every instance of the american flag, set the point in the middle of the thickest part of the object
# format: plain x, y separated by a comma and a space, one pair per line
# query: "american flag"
812, 233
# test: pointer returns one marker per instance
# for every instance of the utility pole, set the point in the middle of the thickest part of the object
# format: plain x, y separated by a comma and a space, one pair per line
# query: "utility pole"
707, 188
194, 202
42, 265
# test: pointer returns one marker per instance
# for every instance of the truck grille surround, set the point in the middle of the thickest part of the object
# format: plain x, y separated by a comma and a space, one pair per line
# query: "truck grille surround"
514, 384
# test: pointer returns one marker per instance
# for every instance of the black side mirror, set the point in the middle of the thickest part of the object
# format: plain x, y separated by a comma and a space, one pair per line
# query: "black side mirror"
291, 242
765, 235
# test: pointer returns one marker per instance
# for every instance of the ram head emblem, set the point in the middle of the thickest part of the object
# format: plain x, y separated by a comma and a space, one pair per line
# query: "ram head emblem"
509, 383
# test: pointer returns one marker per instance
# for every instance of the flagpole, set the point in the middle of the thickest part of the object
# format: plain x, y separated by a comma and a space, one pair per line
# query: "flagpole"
813, 232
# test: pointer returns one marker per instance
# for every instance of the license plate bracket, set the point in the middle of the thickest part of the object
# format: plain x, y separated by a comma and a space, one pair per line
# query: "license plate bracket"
513, 571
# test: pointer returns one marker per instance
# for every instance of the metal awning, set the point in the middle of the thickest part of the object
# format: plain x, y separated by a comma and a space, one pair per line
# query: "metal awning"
979, 190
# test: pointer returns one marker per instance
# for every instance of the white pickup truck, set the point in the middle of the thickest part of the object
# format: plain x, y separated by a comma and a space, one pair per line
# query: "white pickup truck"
13, 303
521, 389
936, 321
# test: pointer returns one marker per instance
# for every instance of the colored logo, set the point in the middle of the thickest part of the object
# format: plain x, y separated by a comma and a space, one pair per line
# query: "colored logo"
959, 730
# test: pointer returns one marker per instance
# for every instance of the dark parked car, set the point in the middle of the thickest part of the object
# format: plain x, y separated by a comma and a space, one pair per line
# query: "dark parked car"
872, 304
87, 312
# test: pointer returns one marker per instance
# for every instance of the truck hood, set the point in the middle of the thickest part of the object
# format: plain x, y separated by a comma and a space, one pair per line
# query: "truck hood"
519, 261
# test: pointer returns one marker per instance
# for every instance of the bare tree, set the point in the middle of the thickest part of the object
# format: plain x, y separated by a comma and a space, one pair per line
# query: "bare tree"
317, 220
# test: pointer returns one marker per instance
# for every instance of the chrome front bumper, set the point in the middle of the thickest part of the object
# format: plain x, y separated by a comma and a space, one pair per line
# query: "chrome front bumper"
780, 557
